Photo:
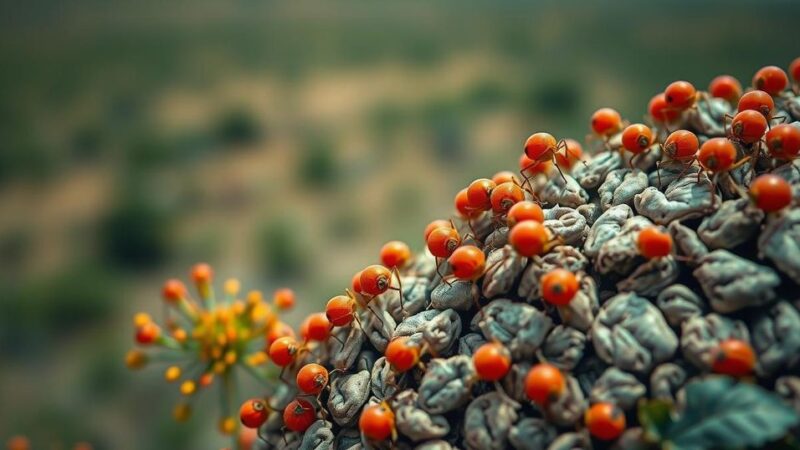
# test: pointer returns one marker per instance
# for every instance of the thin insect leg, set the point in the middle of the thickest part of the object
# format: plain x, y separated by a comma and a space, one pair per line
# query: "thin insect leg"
559, 171
383, 324
400, 290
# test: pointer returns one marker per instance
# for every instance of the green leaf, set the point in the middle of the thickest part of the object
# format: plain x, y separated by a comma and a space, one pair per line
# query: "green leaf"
655, 417
722, 414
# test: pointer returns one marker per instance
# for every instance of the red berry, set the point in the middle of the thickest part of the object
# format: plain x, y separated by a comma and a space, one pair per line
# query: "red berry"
312, 378
147, 333
725, 87
173, 290
283, 351
283, 298
524, 210
681, 144
794, 69
559, 286
319, 327
505, 196
463, 207
478, 194
541, 147
355, 283
492, 361
299, 415
544, 383
783, 141
606, 121
442, 242
340, 310
654, 243
253, 413
531, 167
660, 111
504, 177
770, 192
770, 79
377, 422
573, 152
680, 94
734, 357
605, 421
375, 280
434, 225
637, 138
468, 262
395, 254
278, 330
748, 126
758, 101
529, 238
717, 155
402, 355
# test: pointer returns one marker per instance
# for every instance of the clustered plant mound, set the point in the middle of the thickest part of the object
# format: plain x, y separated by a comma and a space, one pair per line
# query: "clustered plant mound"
643, 293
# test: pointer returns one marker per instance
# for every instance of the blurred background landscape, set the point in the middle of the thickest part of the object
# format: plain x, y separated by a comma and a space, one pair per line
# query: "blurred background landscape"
283, 143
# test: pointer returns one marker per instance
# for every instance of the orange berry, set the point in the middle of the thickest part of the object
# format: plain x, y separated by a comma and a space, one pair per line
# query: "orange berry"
395, 254
605, 421
660, 111
770, 79
468, 262
247, 438
559, 286
463, 207
637, 138
725, 87
606, 121
573, 152
505, 196
717, 154
18, 443
312, 378
375, 280
541, 147
794, 69
544, 383
148, 333
504, 177
770, 192
253, 413
758, 101
278, 330
524, 210
531, 167
734, 357
442, 242
377, 422
783, 141
402, 355
202, 273
283, 298
654, 243
355, 283
299, 415
492, 361
439, 223
340, 310
681, 144
319, 327
173, 290
680, 94
748, 126
478, 194
528, 238
283, 351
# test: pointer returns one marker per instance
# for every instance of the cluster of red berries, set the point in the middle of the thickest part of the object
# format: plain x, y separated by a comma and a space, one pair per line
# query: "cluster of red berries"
510, 203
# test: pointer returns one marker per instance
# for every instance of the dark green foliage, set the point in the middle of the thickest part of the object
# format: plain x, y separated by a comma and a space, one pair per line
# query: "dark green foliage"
237, 127
136, 231
282, 250
318, 165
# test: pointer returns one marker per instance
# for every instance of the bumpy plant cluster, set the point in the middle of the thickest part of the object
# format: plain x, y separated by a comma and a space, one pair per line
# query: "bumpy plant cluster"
641, 294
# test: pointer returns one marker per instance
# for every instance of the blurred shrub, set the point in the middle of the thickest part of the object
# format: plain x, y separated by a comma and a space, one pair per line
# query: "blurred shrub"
556, 96
14, 246
136, 232
237, 127
487, 93
444, 122
344, 224
37, 309
318, 165
147, 150
282, 250
87, 142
